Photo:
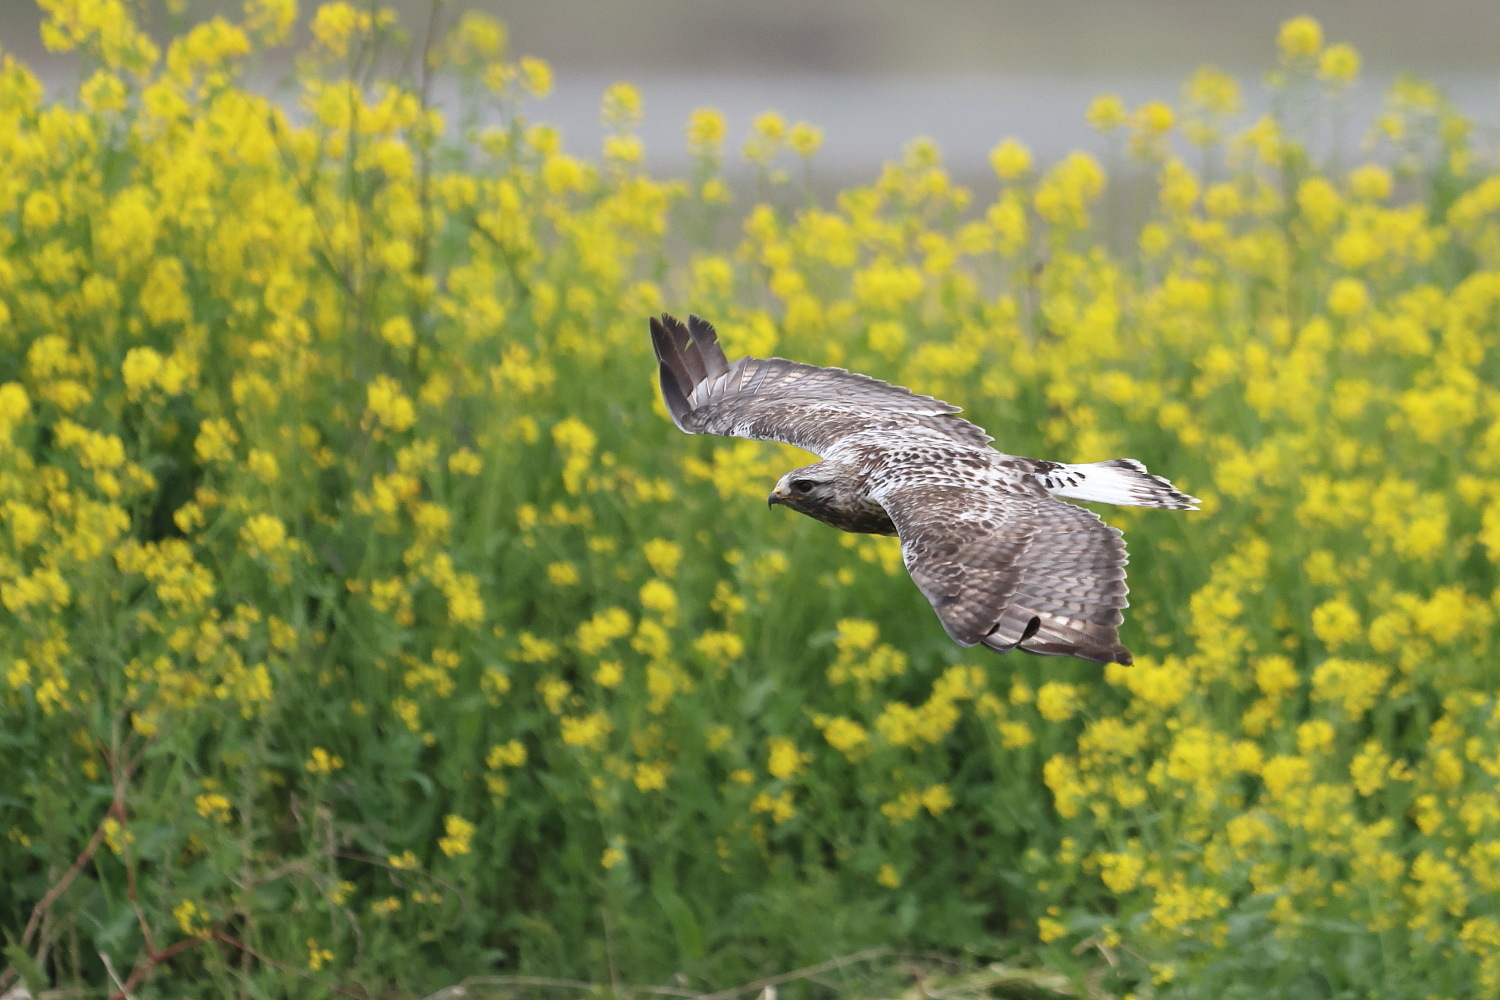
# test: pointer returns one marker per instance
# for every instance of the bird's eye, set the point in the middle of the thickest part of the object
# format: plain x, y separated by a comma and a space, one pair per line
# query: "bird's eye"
802, 485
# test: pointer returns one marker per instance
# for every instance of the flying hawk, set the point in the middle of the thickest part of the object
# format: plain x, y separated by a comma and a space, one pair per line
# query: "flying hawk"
1003, 561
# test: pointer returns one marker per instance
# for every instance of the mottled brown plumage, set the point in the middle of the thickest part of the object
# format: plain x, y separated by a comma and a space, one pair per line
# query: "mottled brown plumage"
1001, 560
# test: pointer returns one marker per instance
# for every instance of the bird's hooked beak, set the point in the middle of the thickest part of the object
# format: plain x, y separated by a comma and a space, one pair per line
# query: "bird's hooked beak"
777, 496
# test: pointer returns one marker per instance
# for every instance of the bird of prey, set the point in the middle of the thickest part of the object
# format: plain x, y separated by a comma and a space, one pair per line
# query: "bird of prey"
983, 535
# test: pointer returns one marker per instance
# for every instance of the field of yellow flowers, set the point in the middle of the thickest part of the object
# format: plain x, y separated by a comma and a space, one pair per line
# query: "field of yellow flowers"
365, 625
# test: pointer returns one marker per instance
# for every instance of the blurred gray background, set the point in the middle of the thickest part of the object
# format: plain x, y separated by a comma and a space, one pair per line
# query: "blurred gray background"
876, 73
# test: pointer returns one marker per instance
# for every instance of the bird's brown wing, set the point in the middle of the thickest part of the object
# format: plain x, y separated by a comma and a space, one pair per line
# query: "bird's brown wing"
1011, 570
774, 399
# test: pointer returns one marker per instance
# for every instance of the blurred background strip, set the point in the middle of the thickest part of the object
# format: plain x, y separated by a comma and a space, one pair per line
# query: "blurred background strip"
875, 74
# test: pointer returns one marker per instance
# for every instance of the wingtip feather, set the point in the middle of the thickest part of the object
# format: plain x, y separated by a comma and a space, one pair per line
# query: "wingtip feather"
676, 375
673, 395
706, 340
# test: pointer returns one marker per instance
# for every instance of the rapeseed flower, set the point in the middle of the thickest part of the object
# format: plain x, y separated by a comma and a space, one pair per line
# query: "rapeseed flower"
1106, 113
1011, 160
458, 836
1339, 63
1299, 38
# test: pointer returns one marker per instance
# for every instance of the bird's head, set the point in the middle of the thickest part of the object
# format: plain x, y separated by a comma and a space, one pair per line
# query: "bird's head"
808, 490
824, 493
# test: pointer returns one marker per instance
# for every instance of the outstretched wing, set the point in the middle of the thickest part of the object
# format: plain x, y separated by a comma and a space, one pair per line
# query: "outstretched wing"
1012, 570
777, 400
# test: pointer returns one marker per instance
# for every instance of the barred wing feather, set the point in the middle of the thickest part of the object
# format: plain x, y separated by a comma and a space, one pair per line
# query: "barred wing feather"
1010, 570
773, 399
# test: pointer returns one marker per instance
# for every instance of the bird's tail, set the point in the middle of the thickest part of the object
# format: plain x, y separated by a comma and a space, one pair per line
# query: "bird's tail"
1119, 481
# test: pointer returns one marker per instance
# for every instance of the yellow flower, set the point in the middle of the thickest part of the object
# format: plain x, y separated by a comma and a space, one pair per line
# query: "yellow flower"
563, 574
397, 331
1163, 684
650, 777
1347, 297
1299, 39
1319, 202
1314, 736
1213, 90
804, 139
623, 149
769, 125
886, 286
1275, 675
265, 534
660, 599
104, 91
536, 76
511, 754
40, 212
1010, 160
845, 735
785, 761
191, 918
705, 131
781, 806
478, 37
116, 837
1177, 904
317, 957
586, 731
213, 805
1339, 63
263, 465
609, 673
621, 107
1014, 735
337, 25
720, 647
1354, 684
715, 192
663, 556
14, 406
577, 441
459, 832
1222, 200
1057, 700
937, 799
271, 19
602, 629
1065, 192
164, 298
322, 762
390, 407
1370, 181
768, 132
1336, 623
385, 907
1154, 117
465, 462
1106, 113
1121, 872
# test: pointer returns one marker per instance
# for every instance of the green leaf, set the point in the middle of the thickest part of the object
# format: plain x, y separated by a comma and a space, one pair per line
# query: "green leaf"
31, 973
680, 915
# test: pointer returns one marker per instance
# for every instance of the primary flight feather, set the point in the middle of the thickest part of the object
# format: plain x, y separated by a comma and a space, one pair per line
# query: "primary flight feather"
983, 535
